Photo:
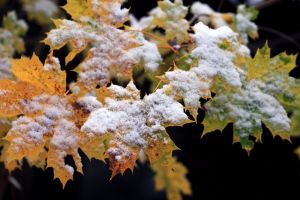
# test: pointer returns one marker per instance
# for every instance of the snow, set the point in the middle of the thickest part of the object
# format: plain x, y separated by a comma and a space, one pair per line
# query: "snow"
52, 64
113, 13
147, 53
169, 16
143, 23
89, 103
124, 118
187, 85
162, 109
65, 137
46, 7
3, 92
69, 30
133, 120
33, 130
248, 108
45, 115
245, 27
109, 56
5, 71
199, 8
215, 61
206, 14
119, 152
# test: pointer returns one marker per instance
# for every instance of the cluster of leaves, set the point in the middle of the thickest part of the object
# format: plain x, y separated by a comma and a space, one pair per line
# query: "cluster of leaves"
107, 121
11, 42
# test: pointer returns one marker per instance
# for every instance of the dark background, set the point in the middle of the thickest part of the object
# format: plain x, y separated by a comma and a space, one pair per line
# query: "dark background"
217, 168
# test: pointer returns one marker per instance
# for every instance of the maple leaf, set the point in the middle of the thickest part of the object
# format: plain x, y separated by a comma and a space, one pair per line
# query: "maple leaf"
47, 123
265, 98
16, 28
242, 22
107, 11
247, 109
200, 79
107, 57
11, 42
171, 17
217, 51
11, 92
169, 174
48, 129
112, 53
48, 77
263, 65
271, 75
190, 87
171, 177
132, 122
40, 11
78, 8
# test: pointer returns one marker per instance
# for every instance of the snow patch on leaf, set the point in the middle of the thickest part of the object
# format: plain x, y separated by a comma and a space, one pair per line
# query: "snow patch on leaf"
217, 51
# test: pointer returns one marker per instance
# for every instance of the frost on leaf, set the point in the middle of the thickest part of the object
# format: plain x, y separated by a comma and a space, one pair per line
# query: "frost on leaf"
111, 49
171, 17
217, 51
271, 75
47, 127
16, 28
169, 174
10, 42
241, 22
107, 11
133, 122
40, 10
247, 109
204, 13
190, 87
146, 54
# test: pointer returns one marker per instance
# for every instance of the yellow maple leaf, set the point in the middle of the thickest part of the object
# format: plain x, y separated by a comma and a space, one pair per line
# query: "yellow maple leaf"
11, 94
133, 123
78, 8
262, 63
121, 157
106, 11
48, 77
169, 174
171, 177
48, 130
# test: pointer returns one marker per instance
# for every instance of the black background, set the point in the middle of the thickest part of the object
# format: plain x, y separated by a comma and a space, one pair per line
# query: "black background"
217, 168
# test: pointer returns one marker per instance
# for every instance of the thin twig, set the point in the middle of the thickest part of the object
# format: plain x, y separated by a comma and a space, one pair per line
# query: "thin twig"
196, 17
282, 35
160, 81
158, 38
220, 5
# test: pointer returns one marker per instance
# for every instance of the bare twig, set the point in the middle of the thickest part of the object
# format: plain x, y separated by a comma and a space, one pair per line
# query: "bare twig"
280, 34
